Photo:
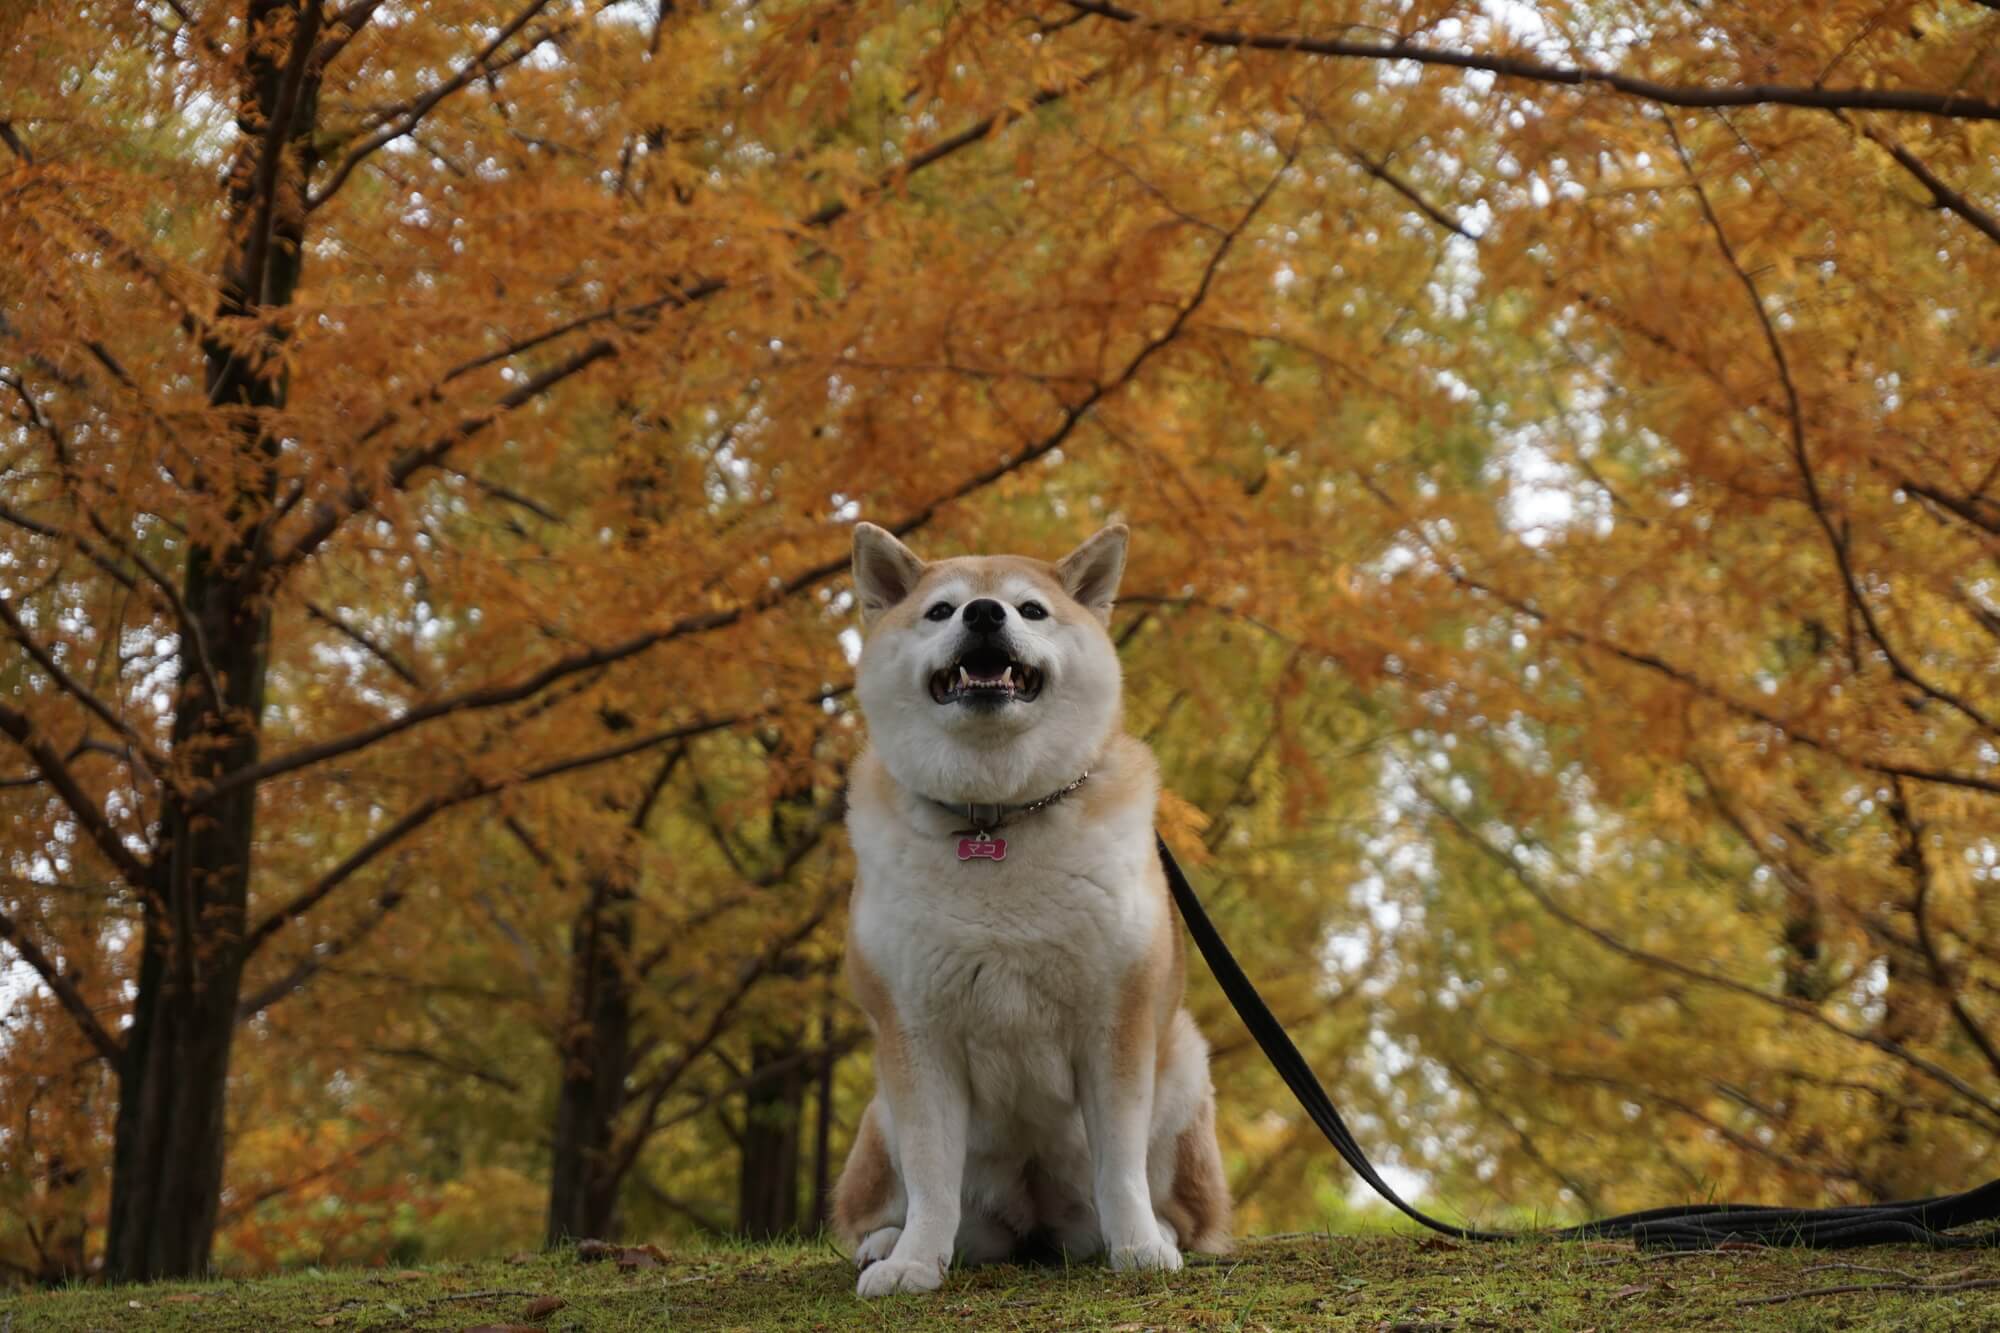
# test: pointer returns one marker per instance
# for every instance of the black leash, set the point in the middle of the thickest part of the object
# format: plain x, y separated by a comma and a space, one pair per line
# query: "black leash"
1687, 1227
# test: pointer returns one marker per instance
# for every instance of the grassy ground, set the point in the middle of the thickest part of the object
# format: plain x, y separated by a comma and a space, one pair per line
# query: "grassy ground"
1378, 1283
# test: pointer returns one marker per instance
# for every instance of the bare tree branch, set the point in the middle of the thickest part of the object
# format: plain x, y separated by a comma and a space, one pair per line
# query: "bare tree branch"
85, 811
308, 967
1912, 101
343, 28
409, 118
155, 762
1978, 510
190, 628
509, 495
251, 1202
811, 1055
13, 141
362, 640
1380, 171
328, 515
471, 789
1489, 1102
1941, 194
945, 147
68, 538
62, 988
418, 1055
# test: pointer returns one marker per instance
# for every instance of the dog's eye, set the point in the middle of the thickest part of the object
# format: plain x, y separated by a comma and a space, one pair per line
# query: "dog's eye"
1034, 611
940, 611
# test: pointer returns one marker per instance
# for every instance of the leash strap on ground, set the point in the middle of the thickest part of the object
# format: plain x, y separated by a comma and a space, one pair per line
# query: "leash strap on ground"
1688, 1227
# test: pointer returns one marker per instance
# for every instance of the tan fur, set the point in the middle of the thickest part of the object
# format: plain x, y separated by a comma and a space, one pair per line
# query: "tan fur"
867, 1183
1198, 1205
1152, 991
866, 1189
872, 994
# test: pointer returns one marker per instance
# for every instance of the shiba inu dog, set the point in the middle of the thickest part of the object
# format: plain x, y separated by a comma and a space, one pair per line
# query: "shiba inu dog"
1011, 938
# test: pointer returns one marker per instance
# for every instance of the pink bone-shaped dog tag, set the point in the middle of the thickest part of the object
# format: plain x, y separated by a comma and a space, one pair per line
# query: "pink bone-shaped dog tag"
975, 849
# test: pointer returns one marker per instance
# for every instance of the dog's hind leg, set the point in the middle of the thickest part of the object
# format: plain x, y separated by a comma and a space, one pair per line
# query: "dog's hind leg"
1189, 1188
876, 1245
868, 1203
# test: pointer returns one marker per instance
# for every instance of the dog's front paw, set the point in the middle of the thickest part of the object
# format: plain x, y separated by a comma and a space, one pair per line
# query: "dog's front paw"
876, 1246
1156, 1256
892, 1275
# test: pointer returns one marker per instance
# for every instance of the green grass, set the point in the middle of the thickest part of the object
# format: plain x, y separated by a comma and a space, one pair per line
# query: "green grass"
1337, 1282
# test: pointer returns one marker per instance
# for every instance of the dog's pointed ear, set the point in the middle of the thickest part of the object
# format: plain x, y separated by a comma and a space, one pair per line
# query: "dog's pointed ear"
1090, 572
885, 570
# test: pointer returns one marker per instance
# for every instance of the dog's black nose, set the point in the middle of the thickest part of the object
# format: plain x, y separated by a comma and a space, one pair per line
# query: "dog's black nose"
985, 616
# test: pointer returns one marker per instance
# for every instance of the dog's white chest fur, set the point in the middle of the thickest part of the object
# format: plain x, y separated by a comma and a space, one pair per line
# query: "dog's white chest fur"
1012, 962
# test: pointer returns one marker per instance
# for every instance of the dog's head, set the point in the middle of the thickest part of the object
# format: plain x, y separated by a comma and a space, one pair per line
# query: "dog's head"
987, 678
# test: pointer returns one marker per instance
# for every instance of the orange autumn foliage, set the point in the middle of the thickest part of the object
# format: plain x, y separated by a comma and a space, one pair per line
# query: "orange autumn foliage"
1560, 447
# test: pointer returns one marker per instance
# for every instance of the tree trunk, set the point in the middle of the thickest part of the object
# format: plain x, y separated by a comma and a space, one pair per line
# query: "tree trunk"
167, 1157
768, 1179
595, 1050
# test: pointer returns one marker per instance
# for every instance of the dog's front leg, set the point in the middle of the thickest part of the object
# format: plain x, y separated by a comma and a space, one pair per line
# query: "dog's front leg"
1116, 1083
929, 1102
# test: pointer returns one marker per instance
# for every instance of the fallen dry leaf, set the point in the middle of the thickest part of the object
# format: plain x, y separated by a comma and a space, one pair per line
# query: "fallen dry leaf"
326, 1321
542, 1307
1635, 1289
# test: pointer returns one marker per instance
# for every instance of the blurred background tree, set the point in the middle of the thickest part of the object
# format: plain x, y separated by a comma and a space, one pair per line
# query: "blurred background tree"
1561, 445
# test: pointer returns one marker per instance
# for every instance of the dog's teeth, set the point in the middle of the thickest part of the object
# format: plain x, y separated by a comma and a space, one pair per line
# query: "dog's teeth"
1007, 679
964, 678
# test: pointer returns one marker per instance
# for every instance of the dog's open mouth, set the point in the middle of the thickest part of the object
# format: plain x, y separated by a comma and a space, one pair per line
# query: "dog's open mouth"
986, 675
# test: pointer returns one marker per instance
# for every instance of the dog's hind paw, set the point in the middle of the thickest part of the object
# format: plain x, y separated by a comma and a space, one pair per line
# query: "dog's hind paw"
876, 1246
893, 1275
1157, 1256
